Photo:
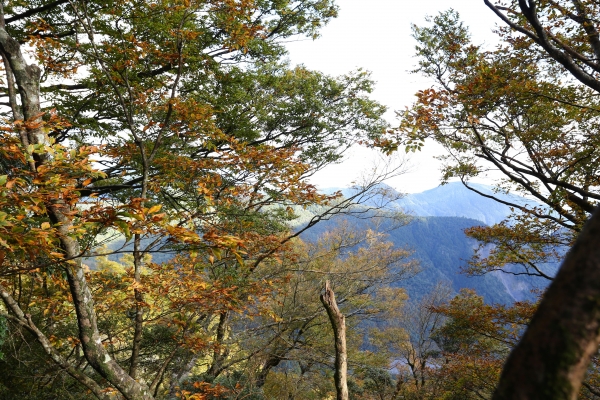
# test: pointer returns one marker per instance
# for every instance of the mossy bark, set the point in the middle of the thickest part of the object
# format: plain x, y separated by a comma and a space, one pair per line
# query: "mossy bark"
551, 359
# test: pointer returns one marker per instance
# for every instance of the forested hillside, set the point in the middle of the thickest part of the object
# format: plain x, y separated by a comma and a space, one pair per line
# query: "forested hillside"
161, 237
436, 235
441, 248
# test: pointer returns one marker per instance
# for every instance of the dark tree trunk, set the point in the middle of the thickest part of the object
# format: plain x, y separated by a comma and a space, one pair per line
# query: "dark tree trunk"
551, 359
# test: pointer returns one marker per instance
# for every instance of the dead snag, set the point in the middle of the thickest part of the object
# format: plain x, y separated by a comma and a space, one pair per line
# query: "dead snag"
338, 323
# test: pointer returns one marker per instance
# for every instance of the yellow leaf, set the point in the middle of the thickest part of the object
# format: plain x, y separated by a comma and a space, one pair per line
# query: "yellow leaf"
154, 209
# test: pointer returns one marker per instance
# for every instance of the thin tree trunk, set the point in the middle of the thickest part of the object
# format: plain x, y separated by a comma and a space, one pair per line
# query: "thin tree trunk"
24, 320
219, 354
177, 378
138, 322
338, 323
551, 359
271, 362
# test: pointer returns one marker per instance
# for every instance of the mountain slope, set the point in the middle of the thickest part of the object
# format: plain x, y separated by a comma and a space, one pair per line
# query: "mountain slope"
441, 247
437, 237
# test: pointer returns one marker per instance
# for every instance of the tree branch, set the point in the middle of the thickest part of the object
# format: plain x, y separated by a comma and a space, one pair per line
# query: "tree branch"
34, 11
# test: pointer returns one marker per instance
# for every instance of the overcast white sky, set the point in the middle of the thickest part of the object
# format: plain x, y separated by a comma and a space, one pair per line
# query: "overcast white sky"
375, 35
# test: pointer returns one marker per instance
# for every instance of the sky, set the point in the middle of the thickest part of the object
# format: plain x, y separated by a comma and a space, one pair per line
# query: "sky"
375, 35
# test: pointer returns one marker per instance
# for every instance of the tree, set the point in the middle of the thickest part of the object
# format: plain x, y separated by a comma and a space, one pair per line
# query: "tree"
475, 342
516, 111
528, 109
175, 125
338, 323
562, 338
406, 338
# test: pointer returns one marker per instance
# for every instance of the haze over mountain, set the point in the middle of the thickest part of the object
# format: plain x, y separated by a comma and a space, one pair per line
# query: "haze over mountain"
455, 200
436, 235
450, 200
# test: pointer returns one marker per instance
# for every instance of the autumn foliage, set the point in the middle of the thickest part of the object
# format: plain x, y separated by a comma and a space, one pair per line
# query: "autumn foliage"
172, 134
524, 112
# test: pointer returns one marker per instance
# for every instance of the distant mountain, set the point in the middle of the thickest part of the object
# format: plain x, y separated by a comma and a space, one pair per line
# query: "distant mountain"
451, 200
437, 237
441, 247
455, 200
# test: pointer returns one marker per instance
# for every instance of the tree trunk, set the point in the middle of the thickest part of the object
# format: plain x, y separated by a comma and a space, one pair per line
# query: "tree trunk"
338, 323
219, 354
552, 357
27, 78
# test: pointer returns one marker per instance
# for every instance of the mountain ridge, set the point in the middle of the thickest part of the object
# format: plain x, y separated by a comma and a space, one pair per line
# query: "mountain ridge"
449, 200
440, 216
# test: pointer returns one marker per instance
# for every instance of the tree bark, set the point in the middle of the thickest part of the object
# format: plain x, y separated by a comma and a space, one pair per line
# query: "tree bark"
552, 357
338, 323
27, 78
219, 354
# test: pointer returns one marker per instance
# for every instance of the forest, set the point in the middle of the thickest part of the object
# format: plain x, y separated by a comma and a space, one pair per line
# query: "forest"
160, 237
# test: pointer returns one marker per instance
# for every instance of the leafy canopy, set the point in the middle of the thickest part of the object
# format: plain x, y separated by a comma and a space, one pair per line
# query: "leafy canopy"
178, 128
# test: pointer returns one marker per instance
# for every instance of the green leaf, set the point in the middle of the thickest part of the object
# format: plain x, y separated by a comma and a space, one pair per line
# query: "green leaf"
124, 228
